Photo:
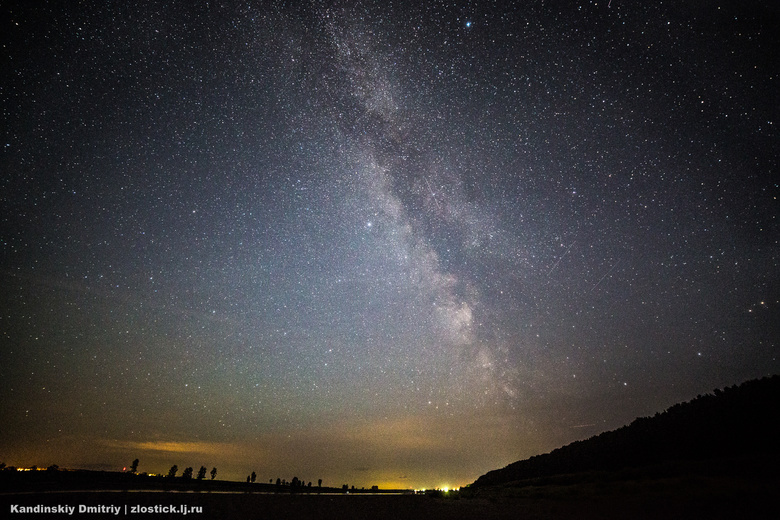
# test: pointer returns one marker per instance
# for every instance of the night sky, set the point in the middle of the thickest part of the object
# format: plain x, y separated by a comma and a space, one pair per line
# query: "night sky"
378, 243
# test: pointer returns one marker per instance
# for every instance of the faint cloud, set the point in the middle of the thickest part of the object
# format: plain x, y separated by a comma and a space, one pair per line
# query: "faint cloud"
207, 448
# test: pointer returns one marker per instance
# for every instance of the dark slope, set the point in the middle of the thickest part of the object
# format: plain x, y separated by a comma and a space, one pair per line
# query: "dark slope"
736, 422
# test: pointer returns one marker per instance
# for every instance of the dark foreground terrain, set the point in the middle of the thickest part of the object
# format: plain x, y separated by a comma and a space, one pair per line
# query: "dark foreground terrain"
713, 458
688, 497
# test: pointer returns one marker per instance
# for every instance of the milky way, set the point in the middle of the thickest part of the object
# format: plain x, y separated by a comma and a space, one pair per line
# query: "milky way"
378, 243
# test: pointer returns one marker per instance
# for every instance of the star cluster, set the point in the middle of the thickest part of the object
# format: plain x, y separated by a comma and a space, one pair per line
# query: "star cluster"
378, 242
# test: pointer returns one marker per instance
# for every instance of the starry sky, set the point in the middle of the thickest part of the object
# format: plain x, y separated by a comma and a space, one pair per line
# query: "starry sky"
392, 243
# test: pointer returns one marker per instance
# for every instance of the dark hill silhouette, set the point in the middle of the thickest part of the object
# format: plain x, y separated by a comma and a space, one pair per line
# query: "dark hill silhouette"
739, 421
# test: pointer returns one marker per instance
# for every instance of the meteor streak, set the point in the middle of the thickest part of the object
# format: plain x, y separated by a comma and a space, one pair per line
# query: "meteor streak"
602, 278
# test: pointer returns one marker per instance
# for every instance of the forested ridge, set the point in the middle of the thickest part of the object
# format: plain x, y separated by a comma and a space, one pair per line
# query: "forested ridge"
737, 421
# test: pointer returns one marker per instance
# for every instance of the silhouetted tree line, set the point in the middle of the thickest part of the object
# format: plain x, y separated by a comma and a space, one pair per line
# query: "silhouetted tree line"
35, 478
737, 421
295, 484
187, 474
